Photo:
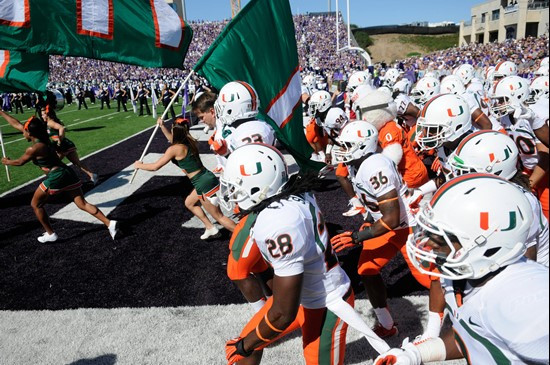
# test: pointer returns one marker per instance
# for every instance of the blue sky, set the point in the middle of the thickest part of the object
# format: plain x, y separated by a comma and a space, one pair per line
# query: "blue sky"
386, 11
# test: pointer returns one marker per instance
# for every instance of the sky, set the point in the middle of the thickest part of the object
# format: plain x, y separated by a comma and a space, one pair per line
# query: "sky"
385, 12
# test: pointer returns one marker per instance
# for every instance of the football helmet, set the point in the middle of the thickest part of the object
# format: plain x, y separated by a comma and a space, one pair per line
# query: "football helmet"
538, 89
488, 152
237, 100
253, 173
319, 102
425, 89
402, 86
465, 72
452, 84
392, 74
358, 78
360, 93
443, 119
335, 121
356, 140
309, 81
504, 69
509, 95
488, 216
542, 71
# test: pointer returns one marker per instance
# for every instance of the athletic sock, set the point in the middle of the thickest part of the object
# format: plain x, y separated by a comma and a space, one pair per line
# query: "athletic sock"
384, 317
257, 305
435, 320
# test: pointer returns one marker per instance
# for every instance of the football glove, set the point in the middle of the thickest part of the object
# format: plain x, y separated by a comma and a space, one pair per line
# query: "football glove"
407, 354
436, 165
414, 197
344, 240
234, 351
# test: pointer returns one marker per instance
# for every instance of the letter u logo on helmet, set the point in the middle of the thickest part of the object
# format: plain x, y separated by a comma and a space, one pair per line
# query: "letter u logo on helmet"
484, 221
224, 99
258, 170
451, 113
360, 134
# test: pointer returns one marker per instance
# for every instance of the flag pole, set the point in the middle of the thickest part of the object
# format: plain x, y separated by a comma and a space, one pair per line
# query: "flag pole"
156, 124
4, 155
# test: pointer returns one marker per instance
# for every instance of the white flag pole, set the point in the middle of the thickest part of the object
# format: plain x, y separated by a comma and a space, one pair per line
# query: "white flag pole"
134, 105
4, 155
157, 126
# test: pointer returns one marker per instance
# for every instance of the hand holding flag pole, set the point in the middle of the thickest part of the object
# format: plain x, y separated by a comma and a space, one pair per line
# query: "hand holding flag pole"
156, 124
4, 155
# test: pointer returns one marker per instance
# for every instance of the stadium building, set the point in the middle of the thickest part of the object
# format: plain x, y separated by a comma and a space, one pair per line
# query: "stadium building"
497, 20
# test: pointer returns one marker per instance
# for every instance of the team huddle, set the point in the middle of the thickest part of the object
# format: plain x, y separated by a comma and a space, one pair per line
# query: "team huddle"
452, 174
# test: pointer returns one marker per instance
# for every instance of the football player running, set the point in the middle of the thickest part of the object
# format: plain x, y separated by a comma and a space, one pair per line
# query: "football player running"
382, 190
477, 241
309, 285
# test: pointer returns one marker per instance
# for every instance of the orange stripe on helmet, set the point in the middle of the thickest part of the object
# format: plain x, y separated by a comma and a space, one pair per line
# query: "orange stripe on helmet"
252, 93
468, 138
498, 65
423, 114
443, 189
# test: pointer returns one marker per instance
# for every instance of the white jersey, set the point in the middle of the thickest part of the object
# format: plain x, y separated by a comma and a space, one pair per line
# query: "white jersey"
376, 177
402, 101
538, 232
292, 237
505, 321
476, 87
540, 108
522, 133
254, 131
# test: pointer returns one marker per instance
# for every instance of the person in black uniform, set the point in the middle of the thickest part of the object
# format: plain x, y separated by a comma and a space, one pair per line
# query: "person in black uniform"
104, 96
120, 96
80, 98
166, 95
141, 96
18, 102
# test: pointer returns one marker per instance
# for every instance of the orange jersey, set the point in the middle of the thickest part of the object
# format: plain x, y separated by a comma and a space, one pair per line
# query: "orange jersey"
315, 134
411, 167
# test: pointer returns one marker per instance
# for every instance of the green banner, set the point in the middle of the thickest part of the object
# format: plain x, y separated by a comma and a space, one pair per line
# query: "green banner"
20, 71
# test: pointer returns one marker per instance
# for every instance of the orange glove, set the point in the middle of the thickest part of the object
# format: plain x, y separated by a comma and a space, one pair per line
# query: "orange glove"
344, 240
234, 351
219, 147
414, 197
436, 165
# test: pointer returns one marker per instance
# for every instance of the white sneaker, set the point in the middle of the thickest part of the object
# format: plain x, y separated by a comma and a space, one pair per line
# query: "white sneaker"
113, 231
46, 237
213, 232
95, 179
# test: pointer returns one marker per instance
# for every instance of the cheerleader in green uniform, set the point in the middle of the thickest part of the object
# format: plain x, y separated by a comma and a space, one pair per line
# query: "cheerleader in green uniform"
64, 146
59, 177
185, 154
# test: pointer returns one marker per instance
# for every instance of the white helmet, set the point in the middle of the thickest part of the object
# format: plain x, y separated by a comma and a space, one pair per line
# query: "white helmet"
431, 74
253, 173
488, 216
402, 86
488, 152
358, 78
443, 119
392, 74
542, 71
509, 95
544, 61
452, 84
356, 140
465, 72
335, 120
538, 89
504, 69
309, 81
425, 89
359, 93
319, 102
489, 79
237, 100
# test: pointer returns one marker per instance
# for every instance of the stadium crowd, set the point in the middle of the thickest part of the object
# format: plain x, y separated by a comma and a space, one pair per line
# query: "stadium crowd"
465, 127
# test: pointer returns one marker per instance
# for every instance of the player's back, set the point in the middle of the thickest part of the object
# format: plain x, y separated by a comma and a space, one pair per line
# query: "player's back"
505, 321
292, 237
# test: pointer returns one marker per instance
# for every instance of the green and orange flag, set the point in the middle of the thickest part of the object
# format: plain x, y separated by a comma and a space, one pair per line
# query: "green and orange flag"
20, 71
147, 33
259, 46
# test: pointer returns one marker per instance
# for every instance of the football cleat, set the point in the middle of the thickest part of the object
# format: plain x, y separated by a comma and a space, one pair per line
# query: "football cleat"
46, 237
383, 332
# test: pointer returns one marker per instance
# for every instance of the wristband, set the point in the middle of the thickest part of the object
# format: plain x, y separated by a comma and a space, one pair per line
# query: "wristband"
240, 349
360, 236
329, 149
432, 350
428, 187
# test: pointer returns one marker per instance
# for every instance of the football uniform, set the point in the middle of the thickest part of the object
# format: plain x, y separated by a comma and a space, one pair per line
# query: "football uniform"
411, 167
540, 108
402, 101
522, 133
476, 102
298, 244
376, 177
505, 321
476, 87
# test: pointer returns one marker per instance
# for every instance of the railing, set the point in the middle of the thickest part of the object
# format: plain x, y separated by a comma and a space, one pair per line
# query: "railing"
538, 5
511, 9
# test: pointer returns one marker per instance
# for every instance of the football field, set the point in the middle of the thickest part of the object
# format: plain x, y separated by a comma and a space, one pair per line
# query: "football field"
157, 295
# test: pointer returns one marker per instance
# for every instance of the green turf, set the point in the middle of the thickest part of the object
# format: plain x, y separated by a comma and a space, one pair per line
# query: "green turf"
90, 130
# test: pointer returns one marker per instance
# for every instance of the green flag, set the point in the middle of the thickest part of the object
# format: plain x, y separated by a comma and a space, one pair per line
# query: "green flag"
20, 71
259, 46
147, 33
